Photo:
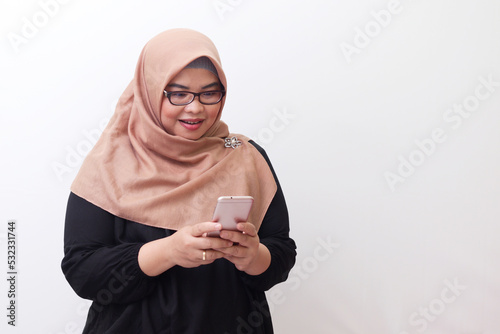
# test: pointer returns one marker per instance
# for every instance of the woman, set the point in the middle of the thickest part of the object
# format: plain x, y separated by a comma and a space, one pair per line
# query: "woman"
140, 207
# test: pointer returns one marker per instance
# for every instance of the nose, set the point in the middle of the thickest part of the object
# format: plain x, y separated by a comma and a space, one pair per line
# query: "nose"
195, 106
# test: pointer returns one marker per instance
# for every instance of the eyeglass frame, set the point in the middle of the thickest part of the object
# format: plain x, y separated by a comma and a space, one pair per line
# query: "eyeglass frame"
168, 94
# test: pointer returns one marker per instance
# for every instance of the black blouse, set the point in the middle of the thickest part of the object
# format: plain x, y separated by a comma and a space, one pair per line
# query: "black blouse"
101, 264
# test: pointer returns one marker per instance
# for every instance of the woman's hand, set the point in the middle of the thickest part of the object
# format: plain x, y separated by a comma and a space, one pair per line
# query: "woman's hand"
188, 247
247, 253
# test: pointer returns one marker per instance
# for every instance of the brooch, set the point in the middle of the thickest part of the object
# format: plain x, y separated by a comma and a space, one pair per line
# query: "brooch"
232, 142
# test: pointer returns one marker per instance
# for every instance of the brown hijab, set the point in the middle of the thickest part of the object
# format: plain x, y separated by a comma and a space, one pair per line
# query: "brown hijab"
139, 172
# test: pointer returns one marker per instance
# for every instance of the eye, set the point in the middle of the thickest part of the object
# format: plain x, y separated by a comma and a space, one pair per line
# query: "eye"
178, 95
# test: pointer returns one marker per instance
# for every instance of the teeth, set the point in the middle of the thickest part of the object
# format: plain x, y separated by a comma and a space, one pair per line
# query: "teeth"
191, 122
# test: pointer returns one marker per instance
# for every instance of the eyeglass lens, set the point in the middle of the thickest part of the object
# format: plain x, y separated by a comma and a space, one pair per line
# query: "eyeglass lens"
210, 97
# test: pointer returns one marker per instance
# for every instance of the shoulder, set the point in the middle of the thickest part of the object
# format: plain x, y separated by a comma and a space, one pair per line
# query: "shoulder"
266, 157
261, 150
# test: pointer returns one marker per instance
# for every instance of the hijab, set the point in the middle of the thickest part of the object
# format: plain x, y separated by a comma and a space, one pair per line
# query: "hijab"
139, 172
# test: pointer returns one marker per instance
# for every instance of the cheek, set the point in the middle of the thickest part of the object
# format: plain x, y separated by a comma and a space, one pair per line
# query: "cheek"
167, 111
213, 112
168, 116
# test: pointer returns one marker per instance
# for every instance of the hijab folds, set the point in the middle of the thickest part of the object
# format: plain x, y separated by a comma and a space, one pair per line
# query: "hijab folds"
139, 172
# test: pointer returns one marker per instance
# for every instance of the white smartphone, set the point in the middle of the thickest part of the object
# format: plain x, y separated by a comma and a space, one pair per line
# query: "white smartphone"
231, 210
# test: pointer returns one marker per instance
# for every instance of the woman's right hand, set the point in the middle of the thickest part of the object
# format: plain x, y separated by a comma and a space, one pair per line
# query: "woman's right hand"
188, 247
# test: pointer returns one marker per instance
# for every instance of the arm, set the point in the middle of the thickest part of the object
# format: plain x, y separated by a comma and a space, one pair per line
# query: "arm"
266, 258
96, 265
185, 248
95, 252
274, 235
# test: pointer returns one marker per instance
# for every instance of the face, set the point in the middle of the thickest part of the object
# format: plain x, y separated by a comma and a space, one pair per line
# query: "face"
193, 120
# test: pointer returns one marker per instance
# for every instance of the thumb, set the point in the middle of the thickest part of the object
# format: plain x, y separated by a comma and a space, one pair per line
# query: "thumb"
201, 229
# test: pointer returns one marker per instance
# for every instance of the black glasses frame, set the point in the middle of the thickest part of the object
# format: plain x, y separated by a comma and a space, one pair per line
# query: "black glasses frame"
194, 95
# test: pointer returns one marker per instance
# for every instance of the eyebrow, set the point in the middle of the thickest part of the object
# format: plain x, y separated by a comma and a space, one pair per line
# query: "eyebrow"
177, 86
215, 83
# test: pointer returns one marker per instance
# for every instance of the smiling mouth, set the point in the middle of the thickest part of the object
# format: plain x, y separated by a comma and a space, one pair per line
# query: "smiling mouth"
190, 122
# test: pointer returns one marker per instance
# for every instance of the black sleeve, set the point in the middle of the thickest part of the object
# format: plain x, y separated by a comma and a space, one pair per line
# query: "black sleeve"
97, 266
274, 234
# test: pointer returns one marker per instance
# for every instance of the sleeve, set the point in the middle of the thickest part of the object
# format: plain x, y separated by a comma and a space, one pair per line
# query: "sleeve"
95, 265
274, 234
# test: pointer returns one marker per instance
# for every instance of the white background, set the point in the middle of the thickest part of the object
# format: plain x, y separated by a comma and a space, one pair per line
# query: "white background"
339, 93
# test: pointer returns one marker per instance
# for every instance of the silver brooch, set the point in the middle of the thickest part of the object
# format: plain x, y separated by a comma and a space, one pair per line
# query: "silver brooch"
232, 142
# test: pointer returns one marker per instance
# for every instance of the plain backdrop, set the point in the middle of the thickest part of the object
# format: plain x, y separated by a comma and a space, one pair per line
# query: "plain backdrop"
381, 119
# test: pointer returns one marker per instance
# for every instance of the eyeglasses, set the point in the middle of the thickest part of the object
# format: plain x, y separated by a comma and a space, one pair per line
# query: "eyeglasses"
182, 98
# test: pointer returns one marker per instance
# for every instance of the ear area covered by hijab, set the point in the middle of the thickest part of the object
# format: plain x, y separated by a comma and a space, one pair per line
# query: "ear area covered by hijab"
139, 172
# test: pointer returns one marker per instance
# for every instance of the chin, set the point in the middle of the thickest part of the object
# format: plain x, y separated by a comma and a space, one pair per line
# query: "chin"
192, 136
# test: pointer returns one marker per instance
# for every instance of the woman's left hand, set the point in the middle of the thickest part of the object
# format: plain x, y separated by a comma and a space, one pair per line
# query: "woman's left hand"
247, 253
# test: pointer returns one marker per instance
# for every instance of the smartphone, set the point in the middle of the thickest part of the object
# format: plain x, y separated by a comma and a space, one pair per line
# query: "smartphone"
231, 210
